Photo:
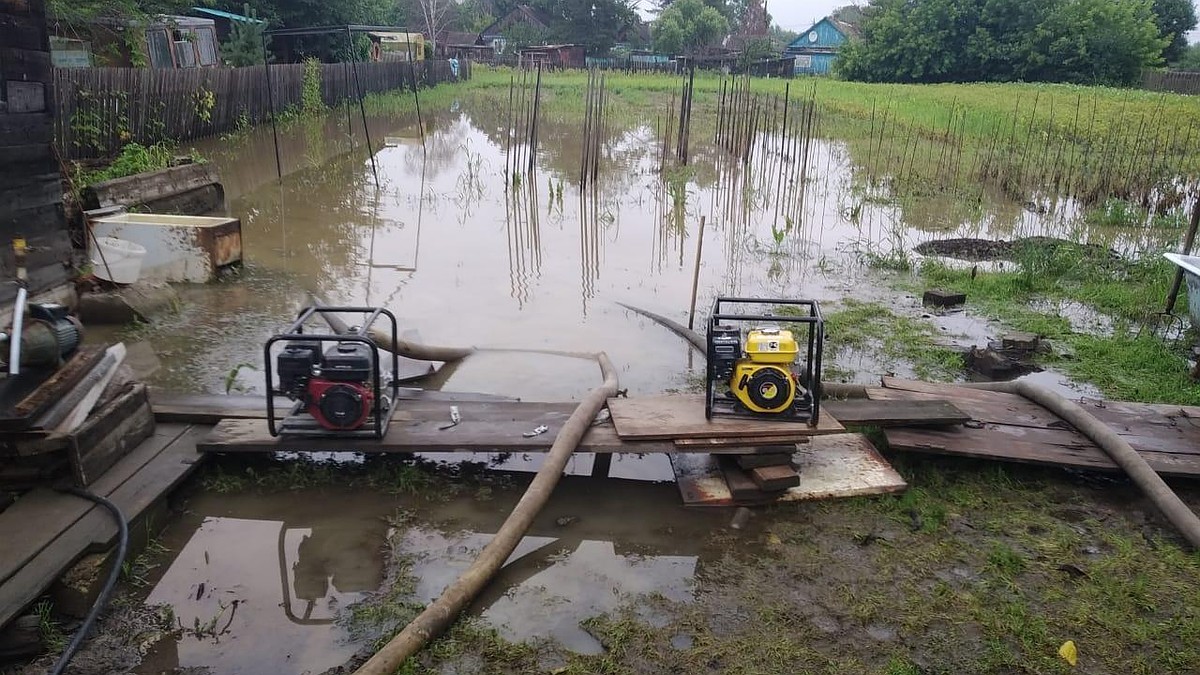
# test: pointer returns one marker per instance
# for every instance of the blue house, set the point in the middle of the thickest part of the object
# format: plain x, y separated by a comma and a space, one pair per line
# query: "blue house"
817, 47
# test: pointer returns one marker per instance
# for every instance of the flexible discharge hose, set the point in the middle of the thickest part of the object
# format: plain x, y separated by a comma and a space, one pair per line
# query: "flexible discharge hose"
113, 574
438, 616
1117, 448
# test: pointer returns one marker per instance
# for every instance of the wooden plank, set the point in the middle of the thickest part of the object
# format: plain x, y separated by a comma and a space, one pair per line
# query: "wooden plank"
983, 406
1052, 447
833, 466
26, 97
894, 413
95, 529
212, 408
419, 431
670, 417
764, 459
22, 414
110, 434
149, 187
741, 487
755, 443
1147, 427
40, 515
774, 477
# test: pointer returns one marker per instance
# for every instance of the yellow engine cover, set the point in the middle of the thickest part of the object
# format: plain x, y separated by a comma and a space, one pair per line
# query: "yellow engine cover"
771, 345
764, 388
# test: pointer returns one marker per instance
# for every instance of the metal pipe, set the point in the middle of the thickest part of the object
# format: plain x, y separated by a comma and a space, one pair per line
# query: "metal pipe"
14, 341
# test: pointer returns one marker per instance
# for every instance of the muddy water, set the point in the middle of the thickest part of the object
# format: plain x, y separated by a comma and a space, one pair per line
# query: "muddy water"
466, 257
267, 578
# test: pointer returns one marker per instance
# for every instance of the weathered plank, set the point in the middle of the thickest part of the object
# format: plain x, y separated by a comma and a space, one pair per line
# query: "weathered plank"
417, 427
1158, 428
833, 466
774, 477
1050, 447
95, 528
755, 443
110, 434
983, 406
40, 515
148, 187
671, 417
896, 413
212, 408
764, 459
24, 413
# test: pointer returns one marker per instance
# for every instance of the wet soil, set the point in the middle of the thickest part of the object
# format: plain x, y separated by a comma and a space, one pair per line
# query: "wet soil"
977, 569
980, 250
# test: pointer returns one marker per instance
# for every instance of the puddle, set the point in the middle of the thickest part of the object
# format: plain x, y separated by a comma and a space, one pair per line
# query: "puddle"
294, 562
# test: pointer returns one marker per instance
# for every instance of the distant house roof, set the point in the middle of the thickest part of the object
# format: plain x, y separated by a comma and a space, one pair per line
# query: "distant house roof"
548, 48
218, 14
460, 39
520, 14
848, 29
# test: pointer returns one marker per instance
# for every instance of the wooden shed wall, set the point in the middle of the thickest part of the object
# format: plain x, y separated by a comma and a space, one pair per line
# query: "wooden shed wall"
30, 185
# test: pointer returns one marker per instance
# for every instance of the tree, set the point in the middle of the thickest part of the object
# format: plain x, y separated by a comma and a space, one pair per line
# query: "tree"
245, 44
686, 26
1084, 41
1190, 59
1174, 19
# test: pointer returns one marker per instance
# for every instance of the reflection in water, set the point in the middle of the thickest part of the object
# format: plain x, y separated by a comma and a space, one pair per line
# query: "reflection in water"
524, 235
263, 583
791, 218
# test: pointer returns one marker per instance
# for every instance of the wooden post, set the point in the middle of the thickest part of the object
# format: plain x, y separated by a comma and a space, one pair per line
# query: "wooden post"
601, 464
696, 276
1188, 242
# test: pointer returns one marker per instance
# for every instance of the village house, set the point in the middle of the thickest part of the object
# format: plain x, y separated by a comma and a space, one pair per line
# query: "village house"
816, 49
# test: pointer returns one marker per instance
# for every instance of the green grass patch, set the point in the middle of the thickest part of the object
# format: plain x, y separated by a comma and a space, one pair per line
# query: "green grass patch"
890, 338
1133, 363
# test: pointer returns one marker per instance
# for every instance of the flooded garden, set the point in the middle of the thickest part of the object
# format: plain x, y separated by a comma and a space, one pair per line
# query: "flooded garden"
523, 218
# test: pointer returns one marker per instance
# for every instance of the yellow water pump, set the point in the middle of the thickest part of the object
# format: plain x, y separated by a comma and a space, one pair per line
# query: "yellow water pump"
768, 371
762, 380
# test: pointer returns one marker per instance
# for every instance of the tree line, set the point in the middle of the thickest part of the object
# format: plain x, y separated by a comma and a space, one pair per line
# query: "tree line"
1081, 41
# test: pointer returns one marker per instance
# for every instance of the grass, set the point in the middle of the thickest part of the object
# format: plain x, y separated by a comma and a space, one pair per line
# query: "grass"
1093, 141
1133, 363
891, 339
978, 568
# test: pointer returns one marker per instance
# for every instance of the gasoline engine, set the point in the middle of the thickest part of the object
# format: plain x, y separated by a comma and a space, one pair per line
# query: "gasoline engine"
756, 366
336, 381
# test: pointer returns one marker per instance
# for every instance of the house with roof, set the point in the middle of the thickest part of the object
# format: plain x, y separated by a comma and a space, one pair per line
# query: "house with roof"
529, 22
816, 49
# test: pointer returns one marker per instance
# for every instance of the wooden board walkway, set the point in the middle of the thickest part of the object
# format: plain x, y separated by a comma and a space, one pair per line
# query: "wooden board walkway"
45, 532
212, 408
831, 466
1009, 427
649, 418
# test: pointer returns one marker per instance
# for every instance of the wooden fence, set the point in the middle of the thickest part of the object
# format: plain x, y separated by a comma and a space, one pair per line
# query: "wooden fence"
1178, 81
101, 109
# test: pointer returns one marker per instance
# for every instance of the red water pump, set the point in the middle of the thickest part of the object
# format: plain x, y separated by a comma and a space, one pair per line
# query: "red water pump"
338, 382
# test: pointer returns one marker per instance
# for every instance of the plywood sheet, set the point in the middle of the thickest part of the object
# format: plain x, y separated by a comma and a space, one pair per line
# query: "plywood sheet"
832, 466
671, 417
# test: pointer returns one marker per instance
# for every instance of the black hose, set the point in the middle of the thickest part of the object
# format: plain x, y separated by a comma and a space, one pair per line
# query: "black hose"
109, 584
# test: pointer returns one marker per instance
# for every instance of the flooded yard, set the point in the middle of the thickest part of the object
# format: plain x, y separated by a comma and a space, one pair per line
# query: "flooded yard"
285, 569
